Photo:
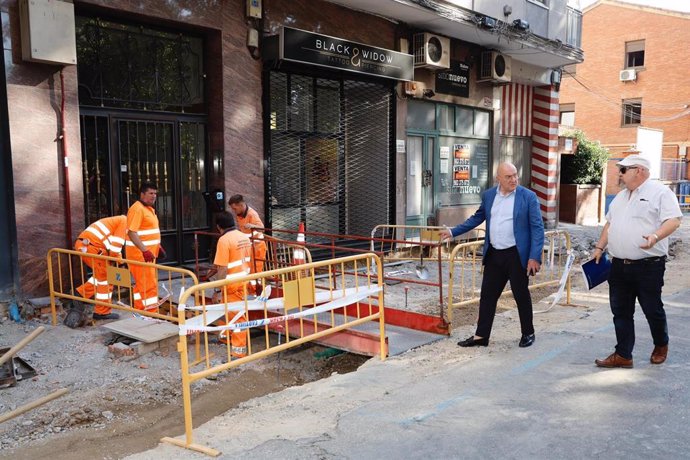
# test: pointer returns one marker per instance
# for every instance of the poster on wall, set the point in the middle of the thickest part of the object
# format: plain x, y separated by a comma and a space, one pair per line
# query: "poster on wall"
463, 181
465, 175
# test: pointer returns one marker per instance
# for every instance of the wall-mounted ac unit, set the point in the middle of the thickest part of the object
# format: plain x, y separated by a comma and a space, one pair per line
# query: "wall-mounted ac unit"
628, 75
494, 66
431, 51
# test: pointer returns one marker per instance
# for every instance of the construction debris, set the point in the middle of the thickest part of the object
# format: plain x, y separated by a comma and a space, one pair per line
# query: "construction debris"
32, 405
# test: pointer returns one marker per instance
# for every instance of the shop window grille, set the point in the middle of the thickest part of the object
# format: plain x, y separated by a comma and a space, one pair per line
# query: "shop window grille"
330, 161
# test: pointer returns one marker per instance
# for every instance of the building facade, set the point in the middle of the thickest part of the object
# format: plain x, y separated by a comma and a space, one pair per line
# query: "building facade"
214, 98
630, 81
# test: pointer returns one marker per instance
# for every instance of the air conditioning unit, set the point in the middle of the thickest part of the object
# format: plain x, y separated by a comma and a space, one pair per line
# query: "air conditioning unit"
431, 51
628, 75
494, 66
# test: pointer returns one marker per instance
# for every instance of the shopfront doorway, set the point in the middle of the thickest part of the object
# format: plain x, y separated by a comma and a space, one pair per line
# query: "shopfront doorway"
329, 142
448, 158
120, 152
142, 118
420, 175
8, 232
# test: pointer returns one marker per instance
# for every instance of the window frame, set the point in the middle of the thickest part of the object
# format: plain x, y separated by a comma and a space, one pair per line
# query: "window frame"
566, 108
634, 46
542, 3
629, 120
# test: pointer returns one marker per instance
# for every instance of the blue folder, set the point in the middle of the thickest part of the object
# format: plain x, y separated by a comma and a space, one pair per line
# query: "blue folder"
596, 273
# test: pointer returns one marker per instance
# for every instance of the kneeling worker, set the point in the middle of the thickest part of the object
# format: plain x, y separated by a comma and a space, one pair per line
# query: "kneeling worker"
104, 237
233, 256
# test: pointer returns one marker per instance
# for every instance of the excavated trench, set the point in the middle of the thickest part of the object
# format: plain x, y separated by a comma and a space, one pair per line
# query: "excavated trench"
138, 427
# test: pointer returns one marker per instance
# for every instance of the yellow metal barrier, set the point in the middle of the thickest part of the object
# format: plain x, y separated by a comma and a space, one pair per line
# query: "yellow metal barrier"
397, 241
466, 270
281, 253
304, 307
67, 270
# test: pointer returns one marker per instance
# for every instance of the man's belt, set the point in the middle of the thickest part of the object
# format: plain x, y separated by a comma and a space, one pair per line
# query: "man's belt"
645, 261
504, 249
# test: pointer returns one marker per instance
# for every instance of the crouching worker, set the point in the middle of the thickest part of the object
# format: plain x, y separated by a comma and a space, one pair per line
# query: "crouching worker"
104, 237
233, 257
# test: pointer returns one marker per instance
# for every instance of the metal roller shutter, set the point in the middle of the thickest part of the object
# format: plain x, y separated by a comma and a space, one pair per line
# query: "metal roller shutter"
330, 162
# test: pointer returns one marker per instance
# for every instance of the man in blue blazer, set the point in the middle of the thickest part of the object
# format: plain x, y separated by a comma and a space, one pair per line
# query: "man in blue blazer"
512, 251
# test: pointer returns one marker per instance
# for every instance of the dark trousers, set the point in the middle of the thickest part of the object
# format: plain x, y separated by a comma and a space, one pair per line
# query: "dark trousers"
641, 281
501, 265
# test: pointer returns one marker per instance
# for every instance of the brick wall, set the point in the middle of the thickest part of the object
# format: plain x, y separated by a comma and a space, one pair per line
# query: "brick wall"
234, 87
662, 84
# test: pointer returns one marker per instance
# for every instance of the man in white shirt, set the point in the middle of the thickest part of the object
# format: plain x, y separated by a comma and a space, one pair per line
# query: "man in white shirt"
640, 219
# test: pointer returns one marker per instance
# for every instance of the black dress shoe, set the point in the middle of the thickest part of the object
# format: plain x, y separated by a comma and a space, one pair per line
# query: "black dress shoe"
472, 342
526, 340
97, 316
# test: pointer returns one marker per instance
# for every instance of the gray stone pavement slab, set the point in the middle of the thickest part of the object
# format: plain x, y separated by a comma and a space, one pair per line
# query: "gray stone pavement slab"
440, 401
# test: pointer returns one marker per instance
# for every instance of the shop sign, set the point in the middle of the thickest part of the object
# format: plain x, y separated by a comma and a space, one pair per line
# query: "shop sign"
310, 48
455, 81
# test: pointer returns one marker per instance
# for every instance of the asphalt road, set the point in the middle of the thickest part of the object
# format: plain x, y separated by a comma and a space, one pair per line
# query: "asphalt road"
548, 401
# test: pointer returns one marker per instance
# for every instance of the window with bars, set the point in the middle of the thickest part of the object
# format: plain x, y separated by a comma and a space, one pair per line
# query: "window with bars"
330, 143
632, 112
137, 67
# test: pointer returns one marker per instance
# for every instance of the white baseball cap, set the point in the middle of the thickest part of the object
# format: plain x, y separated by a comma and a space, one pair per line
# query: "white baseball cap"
634, 160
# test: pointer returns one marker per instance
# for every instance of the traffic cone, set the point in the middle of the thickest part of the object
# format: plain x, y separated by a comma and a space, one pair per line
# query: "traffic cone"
298, 255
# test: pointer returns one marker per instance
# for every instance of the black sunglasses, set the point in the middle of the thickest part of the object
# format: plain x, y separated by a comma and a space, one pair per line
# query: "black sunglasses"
624, 169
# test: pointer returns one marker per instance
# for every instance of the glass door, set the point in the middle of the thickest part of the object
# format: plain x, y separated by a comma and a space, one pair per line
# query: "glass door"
420, 183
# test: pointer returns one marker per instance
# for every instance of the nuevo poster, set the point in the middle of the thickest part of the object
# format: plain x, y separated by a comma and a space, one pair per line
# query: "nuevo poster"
461, 170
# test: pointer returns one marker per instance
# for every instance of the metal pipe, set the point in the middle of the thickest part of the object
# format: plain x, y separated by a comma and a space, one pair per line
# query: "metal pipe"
65, 165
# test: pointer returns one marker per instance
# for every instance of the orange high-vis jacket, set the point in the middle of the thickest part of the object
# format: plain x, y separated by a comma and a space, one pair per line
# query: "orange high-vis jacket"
234, 252
107, 235
143, 220
259, 253
250, 217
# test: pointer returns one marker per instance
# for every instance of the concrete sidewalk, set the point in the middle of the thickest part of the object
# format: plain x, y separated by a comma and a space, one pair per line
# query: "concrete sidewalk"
442, 401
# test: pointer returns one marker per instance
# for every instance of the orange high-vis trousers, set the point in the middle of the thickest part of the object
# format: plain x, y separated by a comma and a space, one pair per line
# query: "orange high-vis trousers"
97, 285
145, 292
238, 340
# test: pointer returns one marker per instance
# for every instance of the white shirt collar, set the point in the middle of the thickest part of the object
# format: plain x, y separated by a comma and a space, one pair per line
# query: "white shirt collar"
503, 195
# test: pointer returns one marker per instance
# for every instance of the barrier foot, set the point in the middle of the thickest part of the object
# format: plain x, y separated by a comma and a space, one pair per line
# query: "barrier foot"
197, 447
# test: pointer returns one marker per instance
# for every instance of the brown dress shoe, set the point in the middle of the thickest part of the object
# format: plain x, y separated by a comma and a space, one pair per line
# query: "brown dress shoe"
614, 360
659, 354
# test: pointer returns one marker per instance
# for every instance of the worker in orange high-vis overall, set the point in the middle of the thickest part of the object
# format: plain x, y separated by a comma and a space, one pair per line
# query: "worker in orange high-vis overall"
248, 222
233, 256
143, 244
104, 237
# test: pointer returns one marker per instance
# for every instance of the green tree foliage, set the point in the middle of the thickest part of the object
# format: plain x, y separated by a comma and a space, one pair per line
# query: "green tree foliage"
586, 166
